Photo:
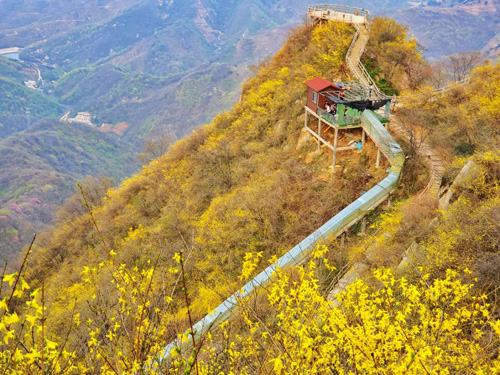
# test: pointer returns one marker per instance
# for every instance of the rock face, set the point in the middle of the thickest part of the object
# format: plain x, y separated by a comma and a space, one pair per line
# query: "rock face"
304, 140
468, 173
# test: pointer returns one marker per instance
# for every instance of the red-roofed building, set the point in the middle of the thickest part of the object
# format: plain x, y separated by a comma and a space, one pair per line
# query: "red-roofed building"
314, 87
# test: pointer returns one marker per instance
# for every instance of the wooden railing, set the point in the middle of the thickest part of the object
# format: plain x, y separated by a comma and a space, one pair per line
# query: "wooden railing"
358, 69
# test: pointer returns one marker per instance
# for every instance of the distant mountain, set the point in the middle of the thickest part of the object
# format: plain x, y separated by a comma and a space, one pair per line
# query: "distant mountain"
446, 27
109, 28
26, 21
163, 37
40, 167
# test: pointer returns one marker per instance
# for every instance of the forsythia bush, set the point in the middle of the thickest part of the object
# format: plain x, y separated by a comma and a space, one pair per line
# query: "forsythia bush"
387, 326
124, 340
25, 345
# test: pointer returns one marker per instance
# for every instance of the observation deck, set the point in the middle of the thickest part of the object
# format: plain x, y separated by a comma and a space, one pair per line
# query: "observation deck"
336, 12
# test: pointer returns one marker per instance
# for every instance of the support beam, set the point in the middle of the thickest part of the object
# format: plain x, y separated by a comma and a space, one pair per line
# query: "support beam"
348, 148
342, 239
326, 143
335, 149
363, 225
389, 203
319, 132
378, 158
388, 109
306, 119
363, 139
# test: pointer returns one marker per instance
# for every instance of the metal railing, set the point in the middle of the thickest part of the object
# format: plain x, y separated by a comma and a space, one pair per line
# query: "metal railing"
334, 119
327, 116
336, 8
440, 91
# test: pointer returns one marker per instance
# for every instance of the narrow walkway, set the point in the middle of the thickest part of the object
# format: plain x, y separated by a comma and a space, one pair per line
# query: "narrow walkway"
356, 51
430, 156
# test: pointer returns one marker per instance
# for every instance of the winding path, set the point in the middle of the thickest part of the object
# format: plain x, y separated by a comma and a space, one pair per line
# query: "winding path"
430, 156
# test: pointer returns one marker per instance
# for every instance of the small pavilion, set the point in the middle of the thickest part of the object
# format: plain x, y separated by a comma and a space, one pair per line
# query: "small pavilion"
348, 100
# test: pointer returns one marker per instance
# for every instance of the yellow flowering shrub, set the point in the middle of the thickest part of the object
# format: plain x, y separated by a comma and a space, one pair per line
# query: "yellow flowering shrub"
385, 326
26, 347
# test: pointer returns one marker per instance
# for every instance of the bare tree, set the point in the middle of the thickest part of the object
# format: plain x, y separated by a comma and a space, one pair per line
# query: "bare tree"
94, 188
156, 144
439, 77
460, 65
417, 73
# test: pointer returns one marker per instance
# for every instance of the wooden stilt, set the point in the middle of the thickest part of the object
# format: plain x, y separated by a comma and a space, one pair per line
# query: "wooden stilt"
342, 239
388, 109
389, 203
334, 159
378, 158
363, 225
363, 139
306, 119
319, 132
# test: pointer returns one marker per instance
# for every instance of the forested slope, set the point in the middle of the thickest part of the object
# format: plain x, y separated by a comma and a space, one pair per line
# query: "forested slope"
40, 167
237, 185
19, 105
423, 293
238, 193
234, 185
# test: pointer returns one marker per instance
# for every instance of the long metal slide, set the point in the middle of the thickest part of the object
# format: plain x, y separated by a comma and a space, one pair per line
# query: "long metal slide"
334, 227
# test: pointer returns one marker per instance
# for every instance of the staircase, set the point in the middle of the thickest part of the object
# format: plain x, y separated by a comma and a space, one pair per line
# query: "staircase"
358, 17
433, 161
354, 55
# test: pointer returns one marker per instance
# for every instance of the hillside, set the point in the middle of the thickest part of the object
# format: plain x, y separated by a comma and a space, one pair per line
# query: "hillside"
130, 75
237, 184
417, 294
123, 272
19, 105
183, 65
248, 182
40, 167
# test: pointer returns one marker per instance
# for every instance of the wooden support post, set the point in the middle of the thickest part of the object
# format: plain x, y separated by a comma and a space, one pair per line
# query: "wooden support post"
363, 225
342, 239
389, 203
334, 159
388, 109
306, 119
363, 139
319, 133
378, 158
